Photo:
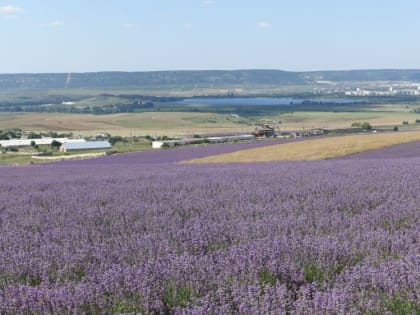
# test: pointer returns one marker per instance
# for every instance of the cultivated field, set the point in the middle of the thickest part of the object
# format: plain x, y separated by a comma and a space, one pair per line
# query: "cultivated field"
187, 123
118, 235
130, 124
316, 149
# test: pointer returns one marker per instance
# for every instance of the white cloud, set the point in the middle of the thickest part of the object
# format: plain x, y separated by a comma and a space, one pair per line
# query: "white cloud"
10, 9
9, 12
264, 24
209, 2
55, 24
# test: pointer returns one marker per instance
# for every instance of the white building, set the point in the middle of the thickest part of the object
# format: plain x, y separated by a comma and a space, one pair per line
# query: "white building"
174, 143
42, 141
87, 145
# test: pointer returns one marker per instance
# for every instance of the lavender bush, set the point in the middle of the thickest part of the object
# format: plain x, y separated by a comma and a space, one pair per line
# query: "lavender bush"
181, 153
401, 151
123, 237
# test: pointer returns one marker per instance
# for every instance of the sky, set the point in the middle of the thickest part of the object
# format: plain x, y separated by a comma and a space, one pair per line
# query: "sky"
147, 35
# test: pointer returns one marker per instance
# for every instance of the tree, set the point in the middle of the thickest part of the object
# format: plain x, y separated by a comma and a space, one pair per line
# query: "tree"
55, 144
34, 135
115, 139
365, 125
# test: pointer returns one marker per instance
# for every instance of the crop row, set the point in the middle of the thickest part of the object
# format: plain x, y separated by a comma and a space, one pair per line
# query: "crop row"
335, 237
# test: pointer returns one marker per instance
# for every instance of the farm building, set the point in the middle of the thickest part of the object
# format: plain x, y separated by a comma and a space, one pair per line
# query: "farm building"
175, 143
88, 145
42, 141
230, 138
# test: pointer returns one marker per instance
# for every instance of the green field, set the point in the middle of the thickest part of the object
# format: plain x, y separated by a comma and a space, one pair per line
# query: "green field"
133, 124
188, 123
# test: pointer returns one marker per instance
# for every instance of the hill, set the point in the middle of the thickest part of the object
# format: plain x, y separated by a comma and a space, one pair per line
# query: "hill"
196, 78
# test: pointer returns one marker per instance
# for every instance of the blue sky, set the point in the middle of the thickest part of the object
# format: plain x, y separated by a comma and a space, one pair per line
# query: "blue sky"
140, 35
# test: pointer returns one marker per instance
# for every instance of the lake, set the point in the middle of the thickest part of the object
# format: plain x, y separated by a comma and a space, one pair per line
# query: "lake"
263, 101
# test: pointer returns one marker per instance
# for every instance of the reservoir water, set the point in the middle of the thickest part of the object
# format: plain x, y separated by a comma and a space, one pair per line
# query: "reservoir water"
263, 101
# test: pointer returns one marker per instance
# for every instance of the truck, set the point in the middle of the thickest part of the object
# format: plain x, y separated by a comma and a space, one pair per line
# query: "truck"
264, 131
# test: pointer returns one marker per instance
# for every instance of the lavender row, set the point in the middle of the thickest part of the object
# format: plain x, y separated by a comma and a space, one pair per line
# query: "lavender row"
177, 154
401, 151
407, 150
328, 237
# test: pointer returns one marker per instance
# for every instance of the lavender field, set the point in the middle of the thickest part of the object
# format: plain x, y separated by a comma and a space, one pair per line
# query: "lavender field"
139, 234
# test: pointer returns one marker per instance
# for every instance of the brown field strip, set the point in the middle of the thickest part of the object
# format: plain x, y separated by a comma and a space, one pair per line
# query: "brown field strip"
316, 149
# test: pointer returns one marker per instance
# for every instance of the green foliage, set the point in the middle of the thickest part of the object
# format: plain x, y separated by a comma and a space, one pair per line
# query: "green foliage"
76, 273
179, 296
15, 133
115, 139
365, 125
33, 135
127, 306
313, 273
395, 305
14, 158
56, 144
405, 122
165, 138
268, 277
30, 280
398, 306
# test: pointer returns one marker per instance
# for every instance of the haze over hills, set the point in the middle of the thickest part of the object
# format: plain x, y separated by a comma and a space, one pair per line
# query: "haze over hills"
198, 78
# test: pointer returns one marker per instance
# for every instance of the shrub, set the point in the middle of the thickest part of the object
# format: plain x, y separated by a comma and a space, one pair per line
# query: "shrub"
365, 125
115, 139
55, 144
34, 135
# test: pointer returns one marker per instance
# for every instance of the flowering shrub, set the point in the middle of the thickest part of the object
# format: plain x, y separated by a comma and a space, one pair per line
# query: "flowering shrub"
325, 237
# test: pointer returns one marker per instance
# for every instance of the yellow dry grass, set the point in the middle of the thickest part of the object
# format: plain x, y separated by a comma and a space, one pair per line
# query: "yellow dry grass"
316, 149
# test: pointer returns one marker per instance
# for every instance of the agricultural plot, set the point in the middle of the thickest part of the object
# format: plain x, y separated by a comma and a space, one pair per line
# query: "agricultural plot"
125, 124
124, 235
317, 149
179, 154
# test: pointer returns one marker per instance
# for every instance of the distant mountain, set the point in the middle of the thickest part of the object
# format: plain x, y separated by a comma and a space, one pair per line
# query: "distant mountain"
197, 78
366, 75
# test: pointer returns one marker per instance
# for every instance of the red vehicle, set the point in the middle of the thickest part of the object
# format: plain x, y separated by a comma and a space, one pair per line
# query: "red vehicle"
264, 131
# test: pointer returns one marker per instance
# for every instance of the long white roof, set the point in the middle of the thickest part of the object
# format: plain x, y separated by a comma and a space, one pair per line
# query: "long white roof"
87, 145
27, 142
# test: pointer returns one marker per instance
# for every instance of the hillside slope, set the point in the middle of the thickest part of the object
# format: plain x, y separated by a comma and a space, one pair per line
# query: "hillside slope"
197, 78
